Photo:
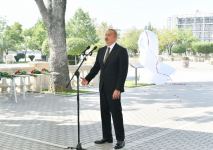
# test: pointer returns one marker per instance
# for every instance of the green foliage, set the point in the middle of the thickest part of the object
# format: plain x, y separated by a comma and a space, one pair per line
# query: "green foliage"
82, 26
75, 46
177, 41
12, 37
73, 92
131, 84
20, 72
167, 39
31, 57
35, 36
5, 75
179, 48
101, 30
45, 48
36, 71
203, 47
19, 56
184, 41
130, 39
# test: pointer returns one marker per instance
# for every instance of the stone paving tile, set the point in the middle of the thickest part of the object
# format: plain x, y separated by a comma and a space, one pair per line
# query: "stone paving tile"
11, 143
179, 140
169, 117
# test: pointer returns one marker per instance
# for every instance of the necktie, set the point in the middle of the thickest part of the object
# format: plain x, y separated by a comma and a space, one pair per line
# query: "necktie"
107, 54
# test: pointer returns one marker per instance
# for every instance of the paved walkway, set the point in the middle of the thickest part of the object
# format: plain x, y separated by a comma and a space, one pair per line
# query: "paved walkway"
169, 117
197, 72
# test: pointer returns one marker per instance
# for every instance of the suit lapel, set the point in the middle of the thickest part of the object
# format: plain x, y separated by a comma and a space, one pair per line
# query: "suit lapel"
102, 55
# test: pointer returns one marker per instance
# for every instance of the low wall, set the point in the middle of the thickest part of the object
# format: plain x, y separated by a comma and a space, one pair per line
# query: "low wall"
36, 83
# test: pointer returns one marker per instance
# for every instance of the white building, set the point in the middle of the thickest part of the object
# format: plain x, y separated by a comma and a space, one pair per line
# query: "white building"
201, 24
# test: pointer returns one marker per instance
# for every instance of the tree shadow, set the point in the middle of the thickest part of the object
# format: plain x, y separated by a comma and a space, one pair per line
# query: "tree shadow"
189, 95
137, 137
207, 118
52, 118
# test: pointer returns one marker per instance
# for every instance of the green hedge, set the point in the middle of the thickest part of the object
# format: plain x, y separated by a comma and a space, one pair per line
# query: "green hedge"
203, 47
19, 56
179, 48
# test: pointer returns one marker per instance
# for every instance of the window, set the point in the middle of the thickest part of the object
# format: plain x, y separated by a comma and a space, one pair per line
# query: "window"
207, 20
189, 20
199, 20
208, 27
198, 27
181, 21
210, 19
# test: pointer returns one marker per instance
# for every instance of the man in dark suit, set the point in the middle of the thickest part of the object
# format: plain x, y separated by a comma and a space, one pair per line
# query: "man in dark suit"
112, 62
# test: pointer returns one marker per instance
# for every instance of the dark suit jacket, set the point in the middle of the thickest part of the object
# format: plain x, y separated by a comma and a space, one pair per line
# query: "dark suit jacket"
113, 73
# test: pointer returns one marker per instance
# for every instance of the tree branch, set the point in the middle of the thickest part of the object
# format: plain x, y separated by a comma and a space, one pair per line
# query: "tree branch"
43, 10
49, 6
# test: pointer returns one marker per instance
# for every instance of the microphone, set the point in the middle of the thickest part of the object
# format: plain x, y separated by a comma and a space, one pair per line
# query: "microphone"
94, 48
84, 52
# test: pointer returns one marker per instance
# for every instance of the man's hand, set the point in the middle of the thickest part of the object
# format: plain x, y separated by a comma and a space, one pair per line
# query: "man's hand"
116, 95
84, 81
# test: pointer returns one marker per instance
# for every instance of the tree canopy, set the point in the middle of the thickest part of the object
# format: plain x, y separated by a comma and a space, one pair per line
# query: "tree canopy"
82, 26
130, 39
13, 37
35, 36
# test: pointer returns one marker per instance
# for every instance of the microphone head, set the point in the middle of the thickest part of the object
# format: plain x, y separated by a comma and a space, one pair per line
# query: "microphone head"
95, 47
90, 53
88, 47
84, 52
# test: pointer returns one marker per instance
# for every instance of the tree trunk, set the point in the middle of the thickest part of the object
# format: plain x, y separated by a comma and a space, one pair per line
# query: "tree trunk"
170, 50
53, 15
1, 55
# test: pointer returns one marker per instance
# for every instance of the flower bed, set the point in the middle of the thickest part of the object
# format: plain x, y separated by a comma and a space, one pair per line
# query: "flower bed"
45, 71
35, 71
5, 75
20, 72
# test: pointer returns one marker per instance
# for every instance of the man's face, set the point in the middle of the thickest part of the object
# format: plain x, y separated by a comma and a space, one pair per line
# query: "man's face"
110, 37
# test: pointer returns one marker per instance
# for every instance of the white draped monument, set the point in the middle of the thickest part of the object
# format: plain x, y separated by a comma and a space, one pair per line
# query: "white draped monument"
154, 71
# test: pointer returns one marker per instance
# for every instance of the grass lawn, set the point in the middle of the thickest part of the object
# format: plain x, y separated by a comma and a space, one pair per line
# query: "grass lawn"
72, 92
131, 84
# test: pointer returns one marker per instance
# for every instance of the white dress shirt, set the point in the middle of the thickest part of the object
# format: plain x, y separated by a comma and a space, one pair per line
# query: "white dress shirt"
111, 47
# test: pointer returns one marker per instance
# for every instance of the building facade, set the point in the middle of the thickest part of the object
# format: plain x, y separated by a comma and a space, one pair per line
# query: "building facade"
200, 24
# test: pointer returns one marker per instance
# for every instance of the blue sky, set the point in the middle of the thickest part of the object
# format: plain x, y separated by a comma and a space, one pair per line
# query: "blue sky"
121, 14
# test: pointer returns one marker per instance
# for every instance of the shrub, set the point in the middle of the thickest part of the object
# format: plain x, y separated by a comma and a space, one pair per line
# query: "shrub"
19, 56
203, 47
179, 48
45, 48
31, 57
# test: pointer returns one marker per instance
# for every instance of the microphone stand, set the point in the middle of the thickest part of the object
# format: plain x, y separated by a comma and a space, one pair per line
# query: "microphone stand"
77, 74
